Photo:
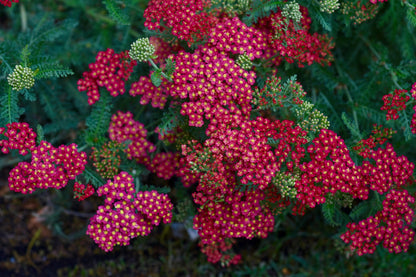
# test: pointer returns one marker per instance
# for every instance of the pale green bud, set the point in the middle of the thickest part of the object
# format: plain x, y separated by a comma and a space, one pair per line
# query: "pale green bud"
141, 50
21, 77
291, 10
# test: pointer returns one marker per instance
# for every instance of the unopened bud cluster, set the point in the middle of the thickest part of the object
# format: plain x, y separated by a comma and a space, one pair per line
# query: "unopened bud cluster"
329, 6
312, 119
21, 77
292, 11
286, 184
141, 50
244, 62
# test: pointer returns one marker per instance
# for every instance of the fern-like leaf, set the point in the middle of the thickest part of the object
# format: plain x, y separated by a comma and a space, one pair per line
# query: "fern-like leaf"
51, 70
98, 121
92, 177
10, 111
351, 126
116, 13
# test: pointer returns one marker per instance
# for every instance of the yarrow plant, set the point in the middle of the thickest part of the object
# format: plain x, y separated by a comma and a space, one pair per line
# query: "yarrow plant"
249, 106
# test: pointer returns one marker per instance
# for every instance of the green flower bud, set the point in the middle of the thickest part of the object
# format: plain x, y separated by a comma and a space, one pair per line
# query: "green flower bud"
141, 50
329, 6
21, 77
291, 10
244, 62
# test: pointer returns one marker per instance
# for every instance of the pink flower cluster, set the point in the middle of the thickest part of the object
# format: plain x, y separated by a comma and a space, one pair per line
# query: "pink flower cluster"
395, 102
389, 226
339, 173
211, 81
149, 92
187, 19
19, 136
82, 192
379, 1
124, 128
233, 36
110, 70
8, 3
50, 168
127, 214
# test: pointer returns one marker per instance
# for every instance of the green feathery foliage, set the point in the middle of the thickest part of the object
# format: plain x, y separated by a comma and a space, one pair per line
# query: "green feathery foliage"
98, 121
116, 13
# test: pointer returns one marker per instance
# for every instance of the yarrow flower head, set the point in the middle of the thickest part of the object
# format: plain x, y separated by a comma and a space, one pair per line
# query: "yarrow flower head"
82, 192
141, 50
110, 70
21, 77
127, 214
20, 136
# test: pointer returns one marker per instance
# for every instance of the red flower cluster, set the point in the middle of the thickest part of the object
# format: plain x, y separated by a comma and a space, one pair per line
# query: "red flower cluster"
20, 136
389, 226
126, 215
110, 70
164, 164
123, 128
365, 147
215, 252
339, 173
82, 192
187, 19
149, 92
395, 102
296, 44
50, 168
413, 122
375, 1
8, 3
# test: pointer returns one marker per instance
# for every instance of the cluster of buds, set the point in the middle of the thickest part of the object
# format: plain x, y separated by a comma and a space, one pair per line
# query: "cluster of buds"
244, 62
21, 77
291, 10
232, 7
275, 94
107, 159
82, 192
141, 50
310, 119
358, 12
285, 182
329, 6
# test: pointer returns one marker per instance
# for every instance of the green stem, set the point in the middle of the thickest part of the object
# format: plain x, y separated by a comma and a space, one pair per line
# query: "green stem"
23, 17
158, 69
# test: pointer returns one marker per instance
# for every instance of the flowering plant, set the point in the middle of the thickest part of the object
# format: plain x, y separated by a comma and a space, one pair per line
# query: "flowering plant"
238, 100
